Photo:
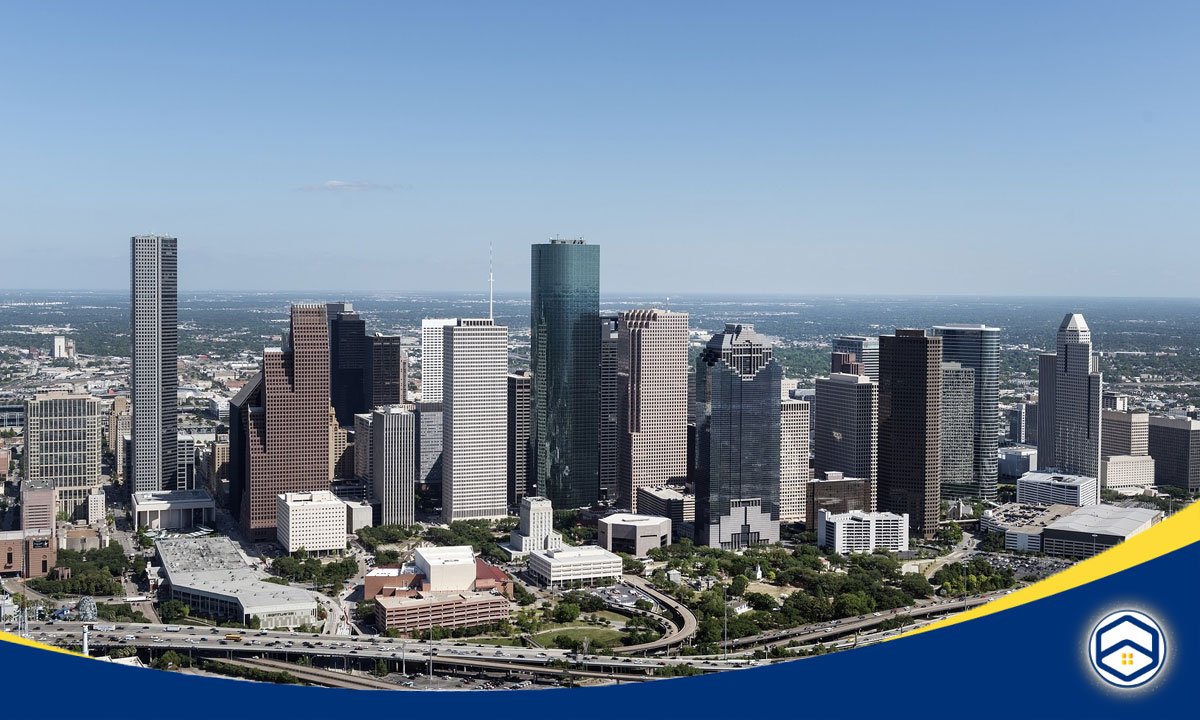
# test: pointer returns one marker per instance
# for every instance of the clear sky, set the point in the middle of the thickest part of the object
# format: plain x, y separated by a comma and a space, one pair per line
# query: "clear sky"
800, 147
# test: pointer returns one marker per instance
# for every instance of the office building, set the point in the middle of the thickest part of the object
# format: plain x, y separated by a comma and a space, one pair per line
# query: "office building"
349, 363
838, 494
414, 613
565, 360
62, 446
865, 351
633, 534
535, 529
474, 420
118, 428
173, 510
1017, 423
154, 377
28, 553
185, 462
431, 358
39, 504
394, 463
341, 448
314, 521
218, 459
910, 400
794, 467
286, 428
1124, 433
1016, 461
210, 575
976, 347
389, 371
1069, 390
1174, 444
519, 387
845, 426
362, 447
1127, 474
609, 394
1039, 488
1114, 401
738, 387
652, 362
429, 444
862, 532
1092, 530
64, 348
585, 565
958, 432
669, 502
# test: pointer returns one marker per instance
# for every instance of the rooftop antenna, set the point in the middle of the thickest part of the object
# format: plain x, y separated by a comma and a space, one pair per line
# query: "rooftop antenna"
491, 283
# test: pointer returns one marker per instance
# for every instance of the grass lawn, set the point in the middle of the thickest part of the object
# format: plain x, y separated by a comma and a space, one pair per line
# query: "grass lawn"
600, 635
613, 616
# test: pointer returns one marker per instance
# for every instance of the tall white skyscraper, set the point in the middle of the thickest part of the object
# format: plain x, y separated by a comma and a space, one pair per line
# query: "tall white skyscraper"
394, 463
794, 472
154, 376
652, 401
1070, 388
431, 358
474, 420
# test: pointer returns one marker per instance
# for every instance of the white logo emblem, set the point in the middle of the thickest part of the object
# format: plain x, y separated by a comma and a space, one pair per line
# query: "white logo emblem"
1127, 648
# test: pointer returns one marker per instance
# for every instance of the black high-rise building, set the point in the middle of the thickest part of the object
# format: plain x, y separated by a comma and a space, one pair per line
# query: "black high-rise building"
349, 363
609, 393
389, 371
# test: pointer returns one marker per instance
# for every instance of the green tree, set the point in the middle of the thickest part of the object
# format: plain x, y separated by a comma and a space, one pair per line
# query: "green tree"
916, 585
853, 603
738, 586
173, 611
565, 612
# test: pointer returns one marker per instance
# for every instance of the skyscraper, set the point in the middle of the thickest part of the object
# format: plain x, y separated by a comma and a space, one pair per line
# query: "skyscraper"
394, 463
565, 360
958, 431
609, 393
287, 433
794, 472
910, 404
1174, 443
474, 420
389, 371
118, 427
349, 363
519, 387
846, 436
978, 347
154, 288
652, 401
429, 443
738, 388
431, 358
62, 446
1070, 386
865, 350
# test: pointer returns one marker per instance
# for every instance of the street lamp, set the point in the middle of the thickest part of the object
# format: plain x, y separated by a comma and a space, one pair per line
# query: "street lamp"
1093, 544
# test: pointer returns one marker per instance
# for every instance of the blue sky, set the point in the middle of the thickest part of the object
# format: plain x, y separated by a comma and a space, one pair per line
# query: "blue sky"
916, 147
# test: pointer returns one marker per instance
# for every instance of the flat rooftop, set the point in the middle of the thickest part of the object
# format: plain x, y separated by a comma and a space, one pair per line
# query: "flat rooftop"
1020, 517
569, 554
1107, 520
454, 555
427, 598
1055, 478
214, 566
172, 497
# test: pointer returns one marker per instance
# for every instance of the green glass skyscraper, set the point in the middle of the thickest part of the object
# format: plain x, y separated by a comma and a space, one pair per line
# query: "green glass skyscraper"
565, 359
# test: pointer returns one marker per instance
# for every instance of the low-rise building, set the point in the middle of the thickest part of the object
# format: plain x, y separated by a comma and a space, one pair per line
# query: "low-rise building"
535, 529
447, 569
1127, 474
27, 553
571, 566
838, 494
315, 521
1022, 525
858, 531
96, 513
173, 509
633, 534
1017, 460
1094, 529
668, 502
210, 575
421, 611
1044, 488
358, 514
39, 504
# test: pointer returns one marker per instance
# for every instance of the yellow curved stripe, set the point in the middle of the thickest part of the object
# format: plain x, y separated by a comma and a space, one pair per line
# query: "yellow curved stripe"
1179, 530
18, 640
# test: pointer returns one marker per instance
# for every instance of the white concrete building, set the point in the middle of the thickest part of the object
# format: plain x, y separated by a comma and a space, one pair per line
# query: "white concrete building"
315, 521
431, 358
586, 565
794, 472
535, 530
174, 509
447, 569
857, 531
474, 420
394, 463
1127, 474
95, 507
632, 534
358, 515
1042, 488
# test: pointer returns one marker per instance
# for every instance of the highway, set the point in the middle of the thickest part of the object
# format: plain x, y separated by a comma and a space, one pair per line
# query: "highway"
679, 637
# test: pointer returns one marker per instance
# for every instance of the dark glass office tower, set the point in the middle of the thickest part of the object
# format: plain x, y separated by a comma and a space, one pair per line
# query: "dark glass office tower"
609, 390
565, 359
388, 371
978, 347
910, 423
349, 363
738, 388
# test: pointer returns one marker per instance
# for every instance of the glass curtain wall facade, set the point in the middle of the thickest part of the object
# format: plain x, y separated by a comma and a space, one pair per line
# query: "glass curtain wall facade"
978, 347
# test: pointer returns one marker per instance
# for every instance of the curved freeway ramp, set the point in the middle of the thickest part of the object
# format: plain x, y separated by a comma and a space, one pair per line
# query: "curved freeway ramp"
680, 636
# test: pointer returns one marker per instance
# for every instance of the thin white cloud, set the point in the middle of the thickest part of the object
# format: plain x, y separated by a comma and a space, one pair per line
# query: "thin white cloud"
347, 186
